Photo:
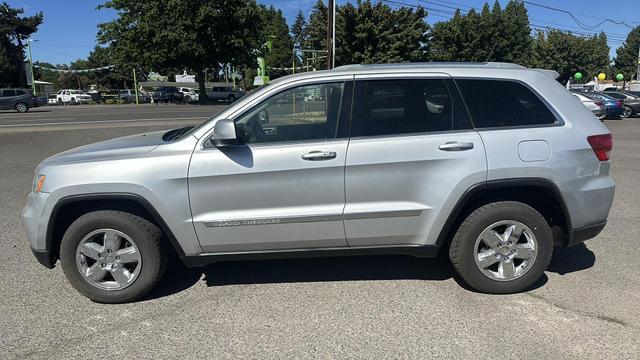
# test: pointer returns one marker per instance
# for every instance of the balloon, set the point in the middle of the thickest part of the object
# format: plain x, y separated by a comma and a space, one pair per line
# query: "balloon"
619, 77
602, 76
578, 76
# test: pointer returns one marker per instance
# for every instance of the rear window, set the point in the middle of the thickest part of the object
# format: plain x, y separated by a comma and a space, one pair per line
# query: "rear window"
502, 103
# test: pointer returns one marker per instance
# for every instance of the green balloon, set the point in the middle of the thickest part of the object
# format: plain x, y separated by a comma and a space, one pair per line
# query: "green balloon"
578, 76
619, 77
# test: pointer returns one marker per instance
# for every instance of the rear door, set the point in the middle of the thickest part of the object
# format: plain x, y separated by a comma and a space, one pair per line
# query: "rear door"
412, 154
7, 97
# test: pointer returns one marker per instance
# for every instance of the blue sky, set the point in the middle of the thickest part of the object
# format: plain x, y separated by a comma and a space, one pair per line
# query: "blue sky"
69, 29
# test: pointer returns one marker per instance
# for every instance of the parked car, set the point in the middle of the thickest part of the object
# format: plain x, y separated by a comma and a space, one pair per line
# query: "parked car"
390, 161
612, 106
632, 92
18, 99
70, 96
225, 93
596, 106
129, 96
168, 94
189, 94
630, 103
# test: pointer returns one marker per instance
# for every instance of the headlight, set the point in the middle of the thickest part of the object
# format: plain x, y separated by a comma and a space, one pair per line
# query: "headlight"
38, 183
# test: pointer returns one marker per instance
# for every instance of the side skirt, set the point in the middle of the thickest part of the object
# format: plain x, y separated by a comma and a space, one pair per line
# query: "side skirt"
410, 250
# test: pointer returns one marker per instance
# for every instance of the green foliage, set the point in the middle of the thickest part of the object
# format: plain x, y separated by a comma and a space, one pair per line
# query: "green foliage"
188, 34
376, 33
568, 54
298, 28
491, 35
626, 60
276, 30
15, 29
316, 30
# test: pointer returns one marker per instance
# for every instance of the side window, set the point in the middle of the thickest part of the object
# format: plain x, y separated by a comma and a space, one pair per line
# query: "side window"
403, 106
8, 93
307, 112
20, 92
502, 103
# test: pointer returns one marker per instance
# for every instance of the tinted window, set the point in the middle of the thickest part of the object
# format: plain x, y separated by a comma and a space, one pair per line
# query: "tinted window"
616, 95
20, 92
499, 103
387, 107
307, 112
7, 93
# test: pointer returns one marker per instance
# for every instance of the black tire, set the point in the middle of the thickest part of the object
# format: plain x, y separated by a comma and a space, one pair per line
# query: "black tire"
73, 101
147, 237
462, 249
627, 112
22, 107
232, 99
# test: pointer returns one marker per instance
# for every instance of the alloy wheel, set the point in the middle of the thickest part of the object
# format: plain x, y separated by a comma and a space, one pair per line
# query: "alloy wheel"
108, 259
505, 250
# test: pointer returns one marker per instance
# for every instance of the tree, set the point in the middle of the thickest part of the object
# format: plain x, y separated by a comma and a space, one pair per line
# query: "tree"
316, 30
626, 60
15, 29
491, 35
276, 30
298, 28
567, 53
189, 34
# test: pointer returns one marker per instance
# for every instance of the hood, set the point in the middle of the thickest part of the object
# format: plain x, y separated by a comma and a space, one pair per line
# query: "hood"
124, 147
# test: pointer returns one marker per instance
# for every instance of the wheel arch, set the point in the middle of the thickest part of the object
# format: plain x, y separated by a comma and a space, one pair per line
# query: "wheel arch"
539, 193
69, 208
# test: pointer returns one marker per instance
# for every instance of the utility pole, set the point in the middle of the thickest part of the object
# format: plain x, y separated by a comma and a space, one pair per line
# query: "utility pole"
331, 34
638, 71
135, 85
33, 80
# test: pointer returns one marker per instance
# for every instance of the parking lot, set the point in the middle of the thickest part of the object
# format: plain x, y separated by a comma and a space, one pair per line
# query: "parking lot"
587, 306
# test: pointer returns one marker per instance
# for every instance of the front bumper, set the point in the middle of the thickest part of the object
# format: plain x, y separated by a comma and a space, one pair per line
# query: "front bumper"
35, 217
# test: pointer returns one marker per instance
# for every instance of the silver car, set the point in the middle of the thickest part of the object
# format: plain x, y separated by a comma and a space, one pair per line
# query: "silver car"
494, 164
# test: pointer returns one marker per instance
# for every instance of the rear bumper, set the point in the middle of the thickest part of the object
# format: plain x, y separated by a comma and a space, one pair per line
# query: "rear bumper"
585, 233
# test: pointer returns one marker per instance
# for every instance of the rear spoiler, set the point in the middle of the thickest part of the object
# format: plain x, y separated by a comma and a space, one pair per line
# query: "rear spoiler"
551, 73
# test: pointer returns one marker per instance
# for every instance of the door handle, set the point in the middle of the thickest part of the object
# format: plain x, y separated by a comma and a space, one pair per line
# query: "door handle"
319, 155
456, 146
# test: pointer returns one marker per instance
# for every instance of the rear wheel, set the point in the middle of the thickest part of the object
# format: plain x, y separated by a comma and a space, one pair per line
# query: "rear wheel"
232, 98
502, 247
627, 111
22, 107
113, 256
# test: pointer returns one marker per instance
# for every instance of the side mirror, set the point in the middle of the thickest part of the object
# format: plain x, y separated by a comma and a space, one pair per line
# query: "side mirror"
263, 117
224, 133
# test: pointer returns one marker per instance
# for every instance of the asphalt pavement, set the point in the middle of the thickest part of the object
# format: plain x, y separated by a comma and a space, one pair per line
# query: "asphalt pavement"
587, 305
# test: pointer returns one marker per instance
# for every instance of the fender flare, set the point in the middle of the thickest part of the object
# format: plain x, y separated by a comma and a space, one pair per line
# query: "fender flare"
475, 190
110, 196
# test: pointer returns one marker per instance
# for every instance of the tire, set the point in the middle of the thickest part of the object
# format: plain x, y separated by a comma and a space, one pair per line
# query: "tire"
144, 240
73, 101
22, 107
232, 99
627, 112
60, 101
467, 248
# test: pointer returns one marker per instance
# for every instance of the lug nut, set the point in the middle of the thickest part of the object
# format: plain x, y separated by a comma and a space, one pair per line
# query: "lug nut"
103, 265
117, 258
109, 251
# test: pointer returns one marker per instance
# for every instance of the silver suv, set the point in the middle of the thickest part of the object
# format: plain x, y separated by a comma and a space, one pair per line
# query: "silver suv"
493, 164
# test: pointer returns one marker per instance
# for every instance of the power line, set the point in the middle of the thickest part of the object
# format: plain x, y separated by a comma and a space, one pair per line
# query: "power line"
576, 19
613, 38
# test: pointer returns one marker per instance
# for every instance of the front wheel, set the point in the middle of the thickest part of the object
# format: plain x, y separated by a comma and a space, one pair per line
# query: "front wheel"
113, 256
502, 248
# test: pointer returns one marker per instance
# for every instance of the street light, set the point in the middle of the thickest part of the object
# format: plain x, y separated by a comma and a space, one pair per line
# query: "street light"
33, 80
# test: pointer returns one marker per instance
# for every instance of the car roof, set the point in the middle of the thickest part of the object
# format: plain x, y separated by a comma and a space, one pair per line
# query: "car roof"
473, 69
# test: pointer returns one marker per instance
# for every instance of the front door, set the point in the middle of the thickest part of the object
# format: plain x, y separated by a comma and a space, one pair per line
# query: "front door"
413, 152
283, 188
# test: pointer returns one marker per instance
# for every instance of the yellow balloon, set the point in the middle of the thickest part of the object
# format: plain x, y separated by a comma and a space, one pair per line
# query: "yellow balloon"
602, 76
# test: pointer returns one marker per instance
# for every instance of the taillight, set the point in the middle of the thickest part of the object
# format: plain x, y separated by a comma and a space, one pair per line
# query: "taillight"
619, 102
599, 103
601, 145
